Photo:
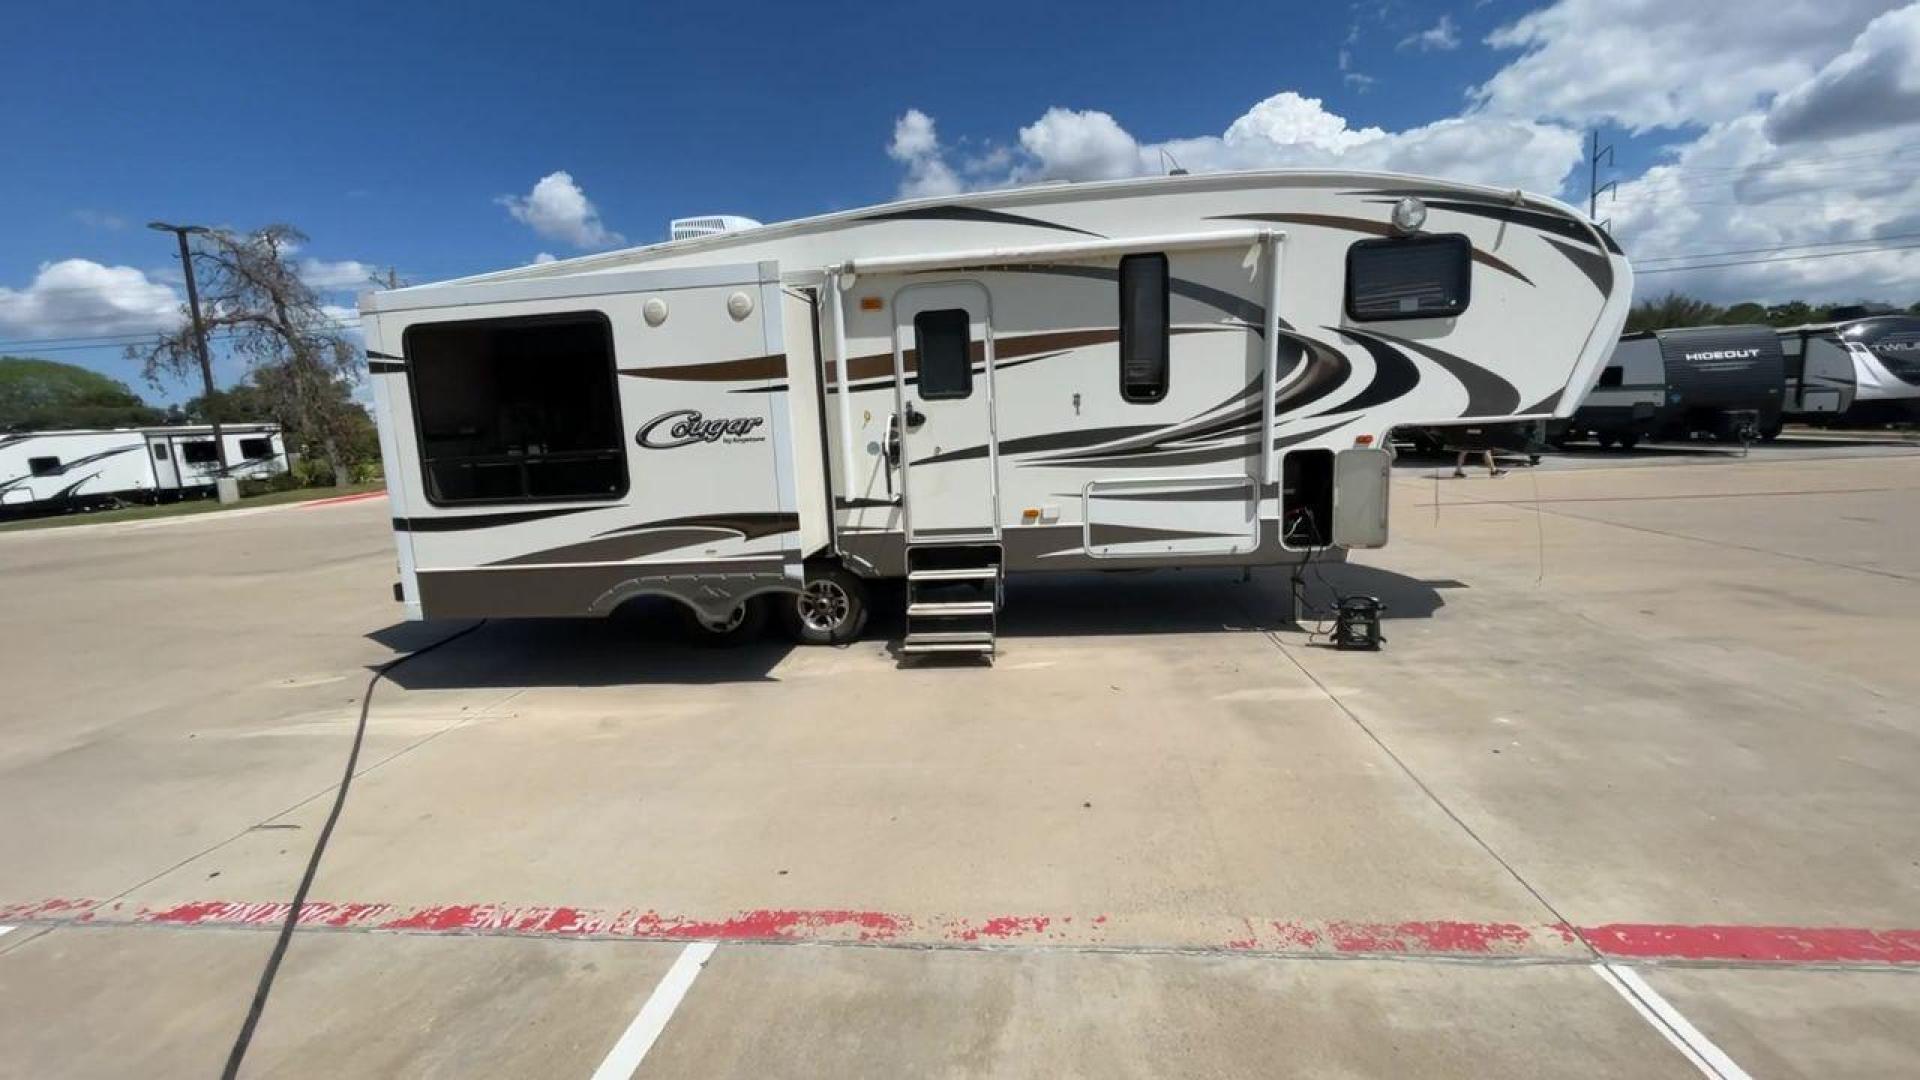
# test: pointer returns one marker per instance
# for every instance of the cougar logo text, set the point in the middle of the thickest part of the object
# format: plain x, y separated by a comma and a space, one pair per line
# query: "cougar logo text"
684, 427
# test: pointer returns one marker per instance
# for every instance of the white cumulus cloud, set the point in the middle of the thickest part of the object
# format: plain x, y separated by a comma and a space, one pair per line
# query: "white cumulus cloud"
1874, 85
556, 208
347, 274
917, 146
82, 298
1646, 64
1285, 130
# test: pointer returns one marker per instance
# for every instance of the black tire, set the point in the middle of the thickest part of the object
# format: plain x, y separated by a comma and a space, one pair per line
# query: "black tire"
831, 610
1771, 431
749, 621
1606, 441
1628, 442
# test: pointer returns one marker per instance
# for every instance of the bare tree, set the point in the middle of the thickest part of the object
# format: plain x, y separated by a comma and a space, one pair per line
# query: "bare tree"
298, 355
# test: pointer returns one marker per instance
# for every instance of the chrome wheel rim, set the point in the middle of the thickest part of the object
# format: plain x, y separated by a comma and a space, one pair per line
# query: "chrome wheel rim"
824, 606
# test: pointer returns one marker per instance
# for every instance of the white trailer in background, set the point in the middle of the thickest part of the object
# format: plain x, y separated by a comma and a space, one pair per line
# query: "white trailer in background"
1860, 371
51, 471
1178, 371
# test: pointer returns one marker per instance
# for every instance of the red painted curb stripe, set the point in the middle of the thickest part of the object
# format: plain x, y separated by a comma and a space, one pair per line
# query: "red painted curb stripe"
1786, 945
1761, 944
311, 503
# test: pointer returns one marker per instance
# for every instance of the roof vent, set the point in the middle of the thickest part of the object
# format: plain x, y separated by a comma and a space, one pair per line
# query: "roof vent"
687, 228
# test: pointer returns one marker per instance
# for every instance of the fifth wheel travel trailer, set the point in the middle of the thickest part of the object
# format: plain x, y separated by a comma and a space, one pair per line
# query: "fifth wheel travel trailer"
51, 471
1721, 381
1860, 371
1170, 372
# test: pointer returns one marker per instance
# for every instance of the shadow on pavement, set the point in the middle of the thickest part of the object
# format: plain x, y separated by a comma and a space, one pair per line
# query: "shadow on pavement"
646, 643
643, 645
1196, 601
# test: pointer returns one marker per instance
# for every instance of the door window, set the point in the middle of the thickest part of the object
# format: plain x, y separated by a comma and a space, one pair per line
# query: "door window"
942, 341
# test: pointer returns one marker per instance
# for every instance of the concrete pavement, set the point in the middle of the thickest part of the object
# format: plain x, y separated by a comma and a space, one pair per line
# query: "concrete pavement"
1650, 716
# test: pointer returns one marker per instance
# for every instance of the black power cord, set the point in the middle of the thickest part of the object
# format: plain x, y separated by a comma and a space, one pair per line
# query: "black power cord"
245, 1039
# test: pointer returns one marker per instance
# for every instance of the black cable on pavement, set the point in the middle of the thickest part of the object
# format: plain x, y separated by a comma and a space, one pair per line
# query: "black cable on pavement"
245, 1039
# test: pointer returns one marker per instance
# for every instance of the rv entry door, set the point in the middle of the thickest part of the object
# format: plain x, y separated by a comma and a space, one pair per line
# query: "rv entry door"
943, 380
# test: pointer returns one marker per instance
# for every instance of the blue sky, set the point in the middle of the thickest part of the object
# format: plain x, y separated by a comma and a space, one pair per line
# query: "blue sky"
391, 135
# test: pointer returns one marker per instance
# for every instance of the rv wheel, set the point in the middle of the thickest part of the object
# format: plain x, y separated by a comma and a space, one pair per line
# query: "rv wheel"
830, 610
744, 624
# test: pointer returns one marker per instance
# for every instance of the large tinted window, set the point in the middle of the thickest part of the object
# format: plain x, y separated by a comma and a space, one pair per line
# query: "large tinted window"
517, 410
1145, 332
251, 448
1415, 277
946, 364
199, 452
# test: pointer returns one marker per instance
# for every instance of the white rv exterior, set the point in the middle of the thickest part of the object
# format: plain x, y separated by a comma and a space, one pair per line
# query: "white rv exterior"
1858, 370
1179, 371
53, 470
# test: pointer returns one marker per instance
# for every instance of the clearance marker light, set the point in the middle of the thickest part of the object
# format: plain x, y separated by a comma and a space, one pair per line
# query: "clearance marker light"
871, 303
1030, 515
1363, 440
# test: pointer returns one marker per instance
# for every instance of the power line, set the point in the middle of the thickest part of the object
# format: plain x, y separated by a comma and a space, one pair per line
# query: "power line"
1774, 250
1782, 258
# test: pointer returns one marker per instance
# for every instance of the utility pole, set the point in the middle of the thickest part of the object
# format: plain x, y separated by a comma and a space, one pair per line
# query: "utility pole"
199, 332
393, 278
1594, 186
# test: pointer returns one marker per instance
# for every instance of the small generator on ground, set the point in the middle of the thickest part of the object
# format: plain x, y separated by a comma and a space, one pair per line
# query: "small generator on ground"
1356, 623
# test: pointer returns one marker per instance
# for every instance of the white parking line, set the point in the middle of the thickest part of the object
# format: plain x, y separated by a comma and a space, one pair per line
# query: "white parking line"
5, 930
1656, 1010
626, 1055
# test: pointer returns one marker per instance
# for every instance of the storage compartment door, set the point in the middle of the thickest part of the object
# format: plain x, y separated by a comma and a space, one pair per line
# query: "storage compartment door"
1362, 480
1159, 518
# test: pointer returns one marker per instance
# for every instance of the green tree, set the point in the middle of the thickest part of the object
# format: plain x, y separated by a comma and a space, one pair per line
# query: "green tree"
262, 397
1792, 313
296, 354
1743, 313
41, 394
1671, 311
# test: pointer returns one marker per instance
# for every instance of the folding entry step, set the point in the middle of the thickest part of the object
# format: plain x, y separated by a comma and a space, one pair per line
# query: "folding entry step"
953, 599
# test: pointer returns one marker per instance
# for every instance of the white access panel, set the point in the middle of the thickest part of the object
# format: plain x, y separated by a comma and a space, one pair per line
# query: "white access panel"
1362, 482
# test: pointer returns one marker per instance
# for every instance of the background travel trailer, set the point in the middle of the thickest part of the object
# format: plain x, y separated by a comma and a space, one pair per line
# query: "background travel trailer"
1857, 371
1705, 380
57, 470
1178, 371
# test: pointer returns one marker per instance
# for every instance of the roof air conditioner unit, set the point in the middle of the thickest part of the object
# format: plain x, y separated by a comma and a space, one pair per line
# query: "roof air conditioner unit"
687, 228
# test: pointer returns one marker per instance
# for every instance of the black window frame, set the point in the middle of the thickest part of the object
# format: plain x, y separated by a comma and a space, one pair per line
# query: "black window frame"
966, 352
38, 466
191, 454
1464, 258
1128, 331
612, 386
264, 442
